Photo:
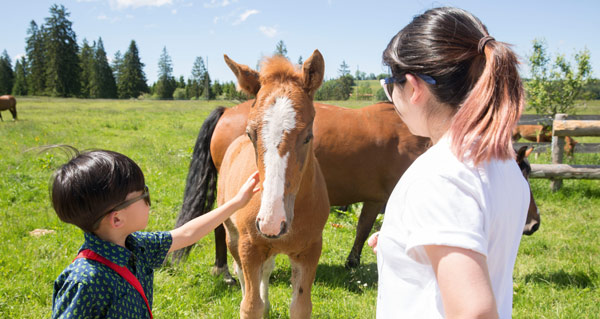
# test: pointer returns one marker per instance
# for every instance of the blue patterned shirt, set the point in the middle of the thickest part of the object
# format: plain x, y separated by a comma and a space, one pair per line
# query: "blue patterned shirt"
89, 289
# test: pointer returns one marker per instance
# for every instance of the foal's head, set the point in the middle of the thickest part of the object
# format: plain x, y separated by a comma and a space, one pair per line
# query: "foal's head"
533, 217
280, 125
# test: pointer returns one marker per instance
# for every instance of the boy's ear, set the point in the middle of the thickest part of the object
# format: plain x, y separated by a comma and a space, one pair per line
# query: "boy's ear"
115, 220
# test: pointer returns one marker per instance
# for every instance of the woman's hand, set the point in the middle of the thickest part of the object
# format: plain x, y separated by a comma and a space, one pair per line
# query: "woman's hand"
372, 242
247, 190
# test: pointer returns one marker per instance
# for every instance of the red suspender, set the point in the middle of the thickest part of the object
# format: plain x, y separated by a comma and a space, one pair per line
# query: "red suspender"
123, 271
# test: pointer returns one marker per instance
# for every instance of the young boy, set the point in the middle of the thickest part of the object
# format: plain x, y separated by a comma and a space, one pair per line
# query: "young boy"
104, 194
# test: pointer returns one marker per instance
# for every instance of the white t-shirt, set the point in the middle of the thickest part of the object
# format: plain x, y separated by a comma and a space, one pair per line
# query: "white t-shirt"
442, 201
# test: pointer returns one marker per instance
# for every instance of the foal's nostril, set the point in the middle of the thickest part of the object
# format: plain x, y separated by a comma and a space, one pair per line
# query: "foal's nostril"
283, 228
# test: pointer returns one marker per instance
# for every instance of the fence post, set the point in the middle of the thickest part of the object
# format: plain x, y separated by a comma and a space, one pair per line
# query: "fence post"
558, 145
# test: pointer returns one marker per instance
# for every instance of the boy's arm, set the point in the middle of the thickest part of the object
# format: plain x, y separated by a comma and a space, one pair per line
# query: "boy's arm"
195, 229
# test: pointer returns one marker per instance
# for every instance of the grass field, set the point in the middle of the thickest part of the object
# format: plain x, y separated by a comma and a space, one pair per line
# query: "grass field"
557, 273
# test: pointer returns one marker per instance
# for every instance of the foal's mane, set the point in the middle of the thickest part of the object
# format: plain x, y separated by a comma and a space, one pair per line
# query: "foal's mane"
278, 68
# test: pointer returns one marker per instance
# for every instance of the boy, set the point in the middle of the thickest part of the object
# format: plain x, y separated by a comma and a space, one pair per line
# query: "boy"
104, 194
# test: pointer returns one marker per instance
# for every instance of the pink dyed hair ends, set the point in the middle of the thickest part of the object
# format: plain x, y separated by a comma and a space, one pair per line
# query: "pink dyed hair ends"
482, 128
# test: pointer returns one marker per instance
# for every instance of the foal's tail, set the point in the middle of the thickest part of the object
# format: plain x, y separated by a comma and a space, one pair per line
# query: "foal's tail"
201, 184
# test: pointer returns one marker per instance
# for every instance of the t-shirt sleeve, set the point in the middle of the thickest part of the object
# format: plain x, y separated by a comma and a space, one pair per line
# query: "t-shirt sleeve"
442, 211
156, 245
78, 300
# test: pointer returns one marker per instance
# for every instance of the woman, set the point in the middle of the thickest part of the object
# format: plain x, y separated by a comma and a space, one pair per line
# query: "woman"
452, 226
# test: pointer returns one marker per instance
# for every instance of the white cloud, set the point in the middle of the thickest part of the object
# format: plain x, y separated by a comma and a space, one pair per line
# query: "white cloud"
245, 16
268, 31
219, 3
122, 4
174, 11
102, 17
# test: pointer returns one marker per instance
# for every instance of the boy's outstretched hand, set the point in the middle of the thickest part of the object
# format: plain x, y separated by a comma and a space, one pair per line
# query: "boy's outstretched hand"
248, 190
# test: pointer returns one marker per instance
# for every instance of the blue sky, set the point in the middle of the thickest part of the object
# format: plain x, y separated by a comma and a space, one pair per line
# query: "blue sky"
353, 31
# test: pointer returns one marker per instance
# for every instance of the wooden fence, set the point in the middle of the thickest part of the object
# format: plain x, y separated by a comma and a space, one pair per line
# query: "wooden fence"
563, 125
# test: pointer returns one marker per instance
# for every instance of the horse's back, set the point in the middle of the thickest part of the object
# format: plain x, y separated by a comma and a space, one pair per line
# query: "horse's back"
7, 102
363, 152
231, 125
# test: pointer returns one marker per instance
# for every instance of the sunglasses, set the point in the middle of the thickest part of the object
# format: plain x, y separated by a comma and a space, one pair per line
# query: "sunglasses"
388, 83
124, 204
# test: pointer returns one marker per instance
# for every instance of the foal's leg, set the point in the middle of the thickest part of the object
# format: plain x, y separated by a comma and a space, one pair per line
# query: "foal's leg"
265, 275
251, 262
304, 269
366, 220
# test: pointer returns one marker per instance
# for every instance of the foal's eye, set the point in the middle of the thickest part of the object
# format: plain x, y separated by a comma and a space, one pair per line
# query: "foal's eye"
308, 138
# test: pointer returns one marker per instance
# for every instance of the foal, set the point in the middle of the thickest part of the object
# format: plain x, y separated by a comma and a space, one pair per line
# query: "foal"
291, 212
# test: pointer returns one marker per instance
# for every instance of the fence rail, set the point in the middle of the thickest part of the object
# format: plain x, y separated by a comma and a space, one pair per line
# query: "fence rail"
563, 125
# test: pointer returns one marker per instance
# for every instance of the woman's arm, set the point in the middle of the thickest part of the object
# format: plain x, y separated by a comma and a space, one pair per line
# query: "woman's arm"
195, 229
464, 282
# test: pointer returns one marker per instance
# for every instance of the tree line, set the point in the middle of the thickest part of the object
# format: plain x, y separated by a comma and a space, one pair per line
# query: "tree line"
55, 65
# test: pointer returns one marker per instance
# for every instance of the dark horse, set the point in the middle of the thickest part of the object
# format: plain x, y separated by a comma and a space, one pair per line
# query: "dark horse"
8, 102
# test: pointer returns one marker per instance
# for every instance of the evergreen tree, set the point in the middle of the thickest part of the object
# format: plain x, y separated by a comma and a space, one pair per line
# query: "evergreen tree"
62, 68
280, 49
106, 87
36, 61
181, 82
300, 62
7, 76
20, 86
86, 64
198, 77
117, 67
344, 69
132, 80
166, 81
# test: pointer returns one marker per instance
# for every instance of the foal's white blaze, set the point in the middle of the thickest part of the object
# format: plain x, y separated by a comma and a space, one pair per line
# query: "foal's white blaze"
279, 119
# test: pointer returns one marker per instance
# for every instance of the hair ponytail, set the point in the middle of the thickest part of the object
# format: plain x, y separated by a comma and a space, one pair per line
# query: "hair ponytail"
475, 75
482, 128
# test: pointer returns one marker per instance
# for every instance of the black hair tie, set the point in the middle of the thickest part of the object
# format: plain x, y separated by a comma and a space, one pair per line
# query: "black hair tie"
483, 41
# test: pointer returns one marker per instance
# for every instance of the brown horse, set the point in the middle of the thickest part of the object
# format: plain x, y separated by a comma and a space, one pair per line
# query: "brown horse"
8, 102
293, 206
541, 133
362, 153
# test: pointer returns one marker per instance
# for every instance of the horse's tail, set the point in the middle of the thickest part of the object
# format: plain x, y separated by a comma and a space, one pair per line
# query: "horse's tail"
201, 183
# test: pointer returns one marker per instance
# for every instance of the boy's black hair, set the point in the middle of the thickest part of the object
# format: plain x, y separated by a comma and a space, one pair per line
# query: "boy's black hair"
91, 183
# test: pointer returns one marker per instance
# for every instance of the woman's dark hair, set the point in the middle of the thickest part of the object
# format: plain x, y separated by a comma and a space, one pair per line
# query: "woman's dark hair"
91, 183
478, 79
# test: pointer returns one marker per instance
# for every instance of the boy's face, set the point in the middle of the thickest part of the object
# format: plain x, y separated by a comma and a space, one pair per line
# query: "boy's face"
135, 215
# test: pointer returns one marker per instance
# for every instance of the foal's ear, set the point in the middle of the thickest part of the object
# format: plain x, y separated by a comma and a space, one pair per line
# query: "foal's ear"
313, 71
248, 79
522, 153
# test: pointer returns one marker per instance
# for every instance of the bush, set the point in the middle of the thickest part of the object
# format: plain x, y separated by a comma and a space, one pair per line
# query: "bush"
179, 94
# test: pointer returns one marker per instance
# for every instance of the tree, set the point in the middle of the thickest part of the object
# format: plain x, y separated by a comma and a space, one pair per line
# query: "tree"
117, 66
36, 60
199, 74
62, 68
280, 49
7, 76
300, 62
132, 80
554, 89
166, 84
344, 69
105, 85
86, 64
20, 86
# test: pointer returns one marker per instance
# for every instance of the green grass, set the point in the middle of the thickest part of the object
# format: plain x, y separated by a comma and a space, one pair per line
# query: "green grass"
556, 275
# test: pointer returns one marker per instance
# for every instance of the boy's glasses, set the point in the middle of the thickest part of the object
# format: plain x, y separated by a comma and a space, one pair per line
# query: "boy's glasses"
145, 196
388, 83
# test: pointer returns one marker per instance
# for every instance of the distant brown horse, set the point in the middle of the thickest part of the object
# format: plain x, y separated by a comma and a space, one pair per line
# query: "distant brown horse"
8, 102
541, 133
289, 215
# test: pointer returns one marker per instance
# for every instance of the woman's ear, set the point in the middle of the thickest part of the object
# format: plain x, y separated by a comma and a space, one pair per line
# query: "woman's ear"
414, 88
